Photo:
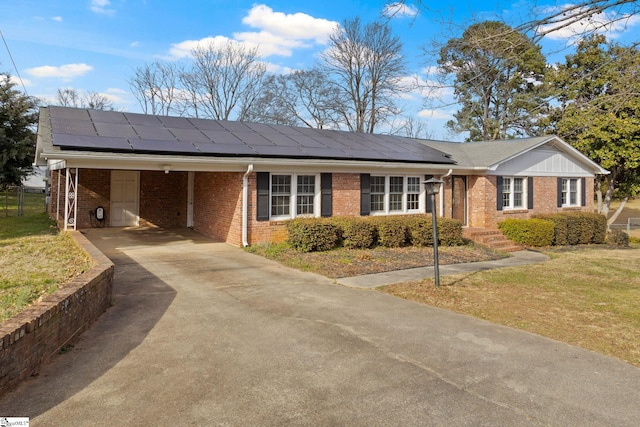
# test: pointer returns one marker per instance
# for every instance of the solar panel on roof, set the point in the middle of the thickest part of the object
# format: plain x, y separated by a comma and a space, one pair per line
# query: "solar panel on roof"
142, 119
203, 124
163, 146
252, 138
154, 132
73, 127
115, 130
220, 137
176, 122
190, 135
107, 117
91, 142
226, 149
163, 134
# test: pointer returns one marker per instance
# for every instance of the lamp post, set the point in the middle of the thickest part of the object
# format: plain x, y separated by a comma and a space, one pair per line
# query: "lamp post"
432, 185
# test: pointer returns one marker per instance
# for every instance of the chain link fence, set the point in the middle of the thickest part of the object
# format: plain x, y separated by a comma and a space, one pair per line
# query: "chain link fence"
21, 201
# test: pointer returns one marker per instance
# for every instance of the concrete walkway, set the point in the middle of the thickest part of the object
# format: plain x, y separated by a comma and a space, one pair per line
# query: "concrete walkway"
204, 334
371, 281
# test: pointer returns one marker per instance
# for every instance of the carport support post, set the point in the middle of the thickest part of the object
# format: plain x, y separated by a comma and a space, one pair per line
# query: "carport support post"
71, 198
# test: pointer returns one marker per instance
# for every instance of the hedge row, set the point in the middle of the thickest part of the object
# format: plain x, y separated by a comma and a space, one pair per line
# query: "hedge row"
557, 229
321, 234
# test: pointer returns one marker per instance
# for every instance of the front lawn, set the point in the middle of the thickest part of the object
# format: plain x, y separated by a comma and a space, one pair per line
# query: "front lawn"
588, 297
35, 259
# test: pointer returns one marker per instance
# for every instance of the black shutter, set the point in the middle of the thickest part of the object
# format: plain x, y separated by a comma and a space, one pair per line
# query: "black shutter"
529, 192
559, 192
326, 207
262, 199
499, 193
583, 191
365, 194
429, 204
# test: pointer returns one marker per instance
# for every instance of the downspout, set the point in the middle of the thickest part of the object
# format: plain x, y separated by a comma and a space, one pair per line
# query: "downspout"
448, 174
245, 204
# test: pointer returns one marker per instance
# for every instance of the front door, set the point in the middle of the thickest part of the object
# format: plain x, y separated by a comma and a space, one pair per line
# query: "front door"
459, 199
124, 198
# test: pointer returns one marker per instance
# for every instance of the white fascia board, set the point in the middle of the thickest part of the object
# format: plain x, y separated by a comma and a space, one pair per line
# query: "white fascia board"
229, 164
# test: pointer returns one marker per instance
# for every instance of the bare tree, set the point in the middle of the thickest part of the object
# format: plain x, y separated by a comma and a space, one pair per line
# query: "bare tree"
366, 62
224, 81
302, 98
69, 97
155, 86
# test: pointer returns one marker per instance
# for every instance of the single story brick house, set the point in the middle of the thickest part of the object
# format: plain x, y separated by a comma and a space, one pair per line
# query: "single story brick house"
240, 182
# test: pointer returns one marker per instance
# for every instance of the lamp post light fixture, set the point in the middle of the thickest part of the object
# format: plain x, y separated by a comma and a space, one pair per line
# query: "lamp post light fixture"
433, 185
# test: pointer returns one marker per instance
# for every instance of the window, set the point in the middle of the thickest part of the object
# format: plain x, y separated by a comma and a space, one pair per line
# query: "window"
377, 193
306, 195
513, 193
413, 193
570, 191
300, 191
395, 194
280, 195
396, 191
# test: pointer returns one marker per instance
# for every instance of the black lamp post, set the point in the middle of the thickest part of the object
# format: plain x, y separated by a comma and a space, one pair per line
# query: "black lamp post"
432, 186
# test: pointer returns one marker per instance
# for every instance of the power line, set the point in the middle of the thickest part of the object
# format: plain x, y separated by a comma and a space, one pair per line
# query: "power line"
14, 64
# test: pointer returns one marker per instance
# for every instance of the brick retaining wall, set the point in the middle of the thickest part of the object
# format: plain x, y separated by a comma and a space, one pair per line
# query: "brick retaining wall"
33, 337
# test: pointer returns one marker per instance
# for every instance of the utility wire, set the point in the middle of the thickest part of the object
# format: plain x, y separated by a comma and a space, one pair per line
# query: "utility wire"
14, 64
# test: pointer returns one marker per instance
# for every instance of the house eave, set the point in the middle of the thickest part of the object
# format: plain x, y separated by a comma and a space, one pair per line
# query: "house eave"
81, 159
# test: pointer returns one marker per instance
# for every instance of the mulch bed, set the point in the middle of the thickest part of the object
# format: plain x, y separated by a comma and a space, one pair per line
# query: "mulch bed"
355, 262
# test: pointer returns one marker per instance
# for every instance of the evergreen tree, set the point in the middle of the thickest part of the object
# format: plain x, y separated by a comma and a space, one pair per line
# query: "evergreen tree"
18, 118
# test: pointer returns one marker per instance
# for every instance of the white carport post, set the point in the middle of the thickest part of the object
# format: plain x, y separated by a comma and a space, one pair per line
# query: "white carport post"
71, 198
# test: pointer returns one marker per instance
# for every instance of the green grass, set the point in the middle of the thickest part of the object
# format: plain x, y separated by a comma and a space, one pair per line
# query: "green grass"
35, 260
585, 297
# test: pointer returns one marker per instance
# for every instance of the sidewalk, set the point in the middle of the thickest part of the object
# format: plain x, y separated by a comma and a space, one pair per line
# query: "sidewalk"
371, 281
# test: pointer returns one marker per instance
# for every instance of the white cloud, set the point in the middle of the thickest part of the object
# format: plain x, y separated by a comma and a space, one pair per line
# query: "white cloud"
184, 49
277, 33
435, 114
611, 23
399, 10
296, 26
56, 18
65, 72
102, 6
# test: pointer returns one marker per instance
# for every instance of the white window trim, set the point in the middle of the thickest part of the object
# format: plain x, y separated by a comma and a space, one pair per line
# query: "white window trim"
404, 211
293, 196
525, 196
578, 202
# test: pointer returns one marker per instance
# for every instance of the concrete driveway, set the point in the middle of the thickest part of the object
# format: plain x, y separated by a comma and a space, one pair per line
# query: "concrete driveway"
202, 333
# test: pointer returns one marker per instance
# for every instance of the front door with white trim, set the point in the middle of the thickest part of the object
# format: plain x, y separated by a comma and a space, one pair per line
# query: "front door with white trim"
125, 192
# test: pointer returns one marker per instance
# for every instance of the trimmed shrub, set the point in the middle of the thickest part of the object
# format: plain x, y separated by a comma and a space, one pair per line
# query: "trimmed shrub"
577, 228
391, 231
450, 232
528, 232
618, 238
420, 230
312, 234
357, 233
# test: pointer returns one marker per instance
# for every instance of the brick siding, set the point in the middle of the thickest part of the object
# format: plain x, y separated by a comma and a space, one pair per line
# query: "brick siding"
217, 207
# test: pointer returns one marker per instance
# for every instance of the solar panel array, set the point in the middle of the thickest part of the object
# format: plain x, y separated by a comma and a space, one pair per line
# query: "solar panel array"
110, 131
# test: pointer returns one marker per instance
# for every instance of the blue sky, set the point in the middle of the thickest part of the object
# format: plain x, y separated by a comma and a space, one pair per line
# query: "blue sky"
95, 45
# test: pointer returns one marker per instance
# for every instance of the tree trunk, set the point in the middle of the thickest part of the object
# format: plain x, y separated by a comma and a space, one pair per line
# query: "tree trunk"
618, 211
